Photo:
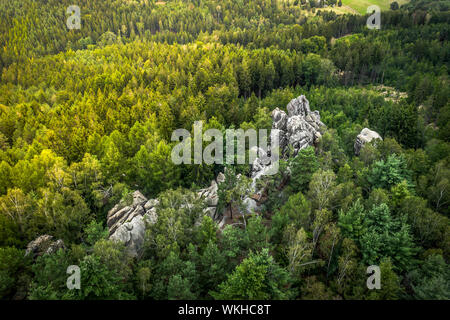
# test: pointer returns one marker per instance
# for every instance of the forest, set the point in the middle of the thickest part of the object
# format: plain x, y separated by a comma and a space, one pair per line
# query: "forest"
86, 118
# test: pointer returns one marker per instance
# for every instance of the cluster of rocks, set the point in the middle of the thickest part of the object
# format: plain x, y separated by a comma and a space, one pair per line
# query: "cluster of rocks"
364, 137
299, 128
44, 244
211, 197
126, 223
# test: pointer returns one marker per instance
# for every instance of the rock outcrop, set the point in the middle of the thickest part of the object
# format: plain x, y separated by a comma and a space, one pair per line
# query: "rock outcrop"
299, 128
211, 197
126, 223
364, 137
43, 244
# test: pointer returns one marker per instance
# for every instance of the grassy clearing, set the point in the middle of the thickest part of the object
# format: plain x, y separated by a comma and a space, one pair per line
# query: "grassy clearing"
362, 5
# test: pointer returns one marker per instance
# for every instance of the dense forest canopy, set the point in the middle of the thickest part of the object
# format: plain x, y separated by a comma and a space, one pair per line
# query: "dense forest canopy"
86, 118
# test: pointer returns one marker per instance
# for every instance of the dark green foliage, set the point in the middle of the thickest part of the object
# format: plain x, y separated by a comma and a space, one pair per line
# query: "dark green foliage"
12, 266
257, 278
431, 280
386, 174
386, 237
302, 168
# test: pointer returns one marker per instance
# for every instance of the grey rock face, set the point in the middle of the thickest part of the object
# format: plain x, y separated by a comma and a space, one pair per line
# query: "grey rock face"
250, 205
220, 178
43, 244
211, 197
364, 137
299, 128
298, 106
131, 234
126, 223
279, 119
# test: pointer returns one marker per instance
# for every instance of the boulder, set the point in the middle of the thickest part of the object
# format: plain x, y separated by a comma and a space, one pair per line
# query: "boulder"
151, 216
43, 245
126, 223
131, 234
298, 106
211, 197
220, 178
364, 137
151, 204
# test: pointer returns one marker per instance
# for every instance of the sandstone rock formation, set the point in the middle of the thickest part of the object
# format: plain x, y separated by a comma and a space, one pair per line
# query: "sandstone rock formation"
43, 244
298, 129
126, 223
211, 197
364, 137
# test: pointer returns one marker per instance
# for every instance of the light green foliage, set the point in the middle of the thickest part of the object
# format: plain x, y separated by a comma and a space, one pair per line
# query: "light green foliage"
178, 211
143, 277
322, 189
206, 233
386, 174
102, 281
299, 249
95, 232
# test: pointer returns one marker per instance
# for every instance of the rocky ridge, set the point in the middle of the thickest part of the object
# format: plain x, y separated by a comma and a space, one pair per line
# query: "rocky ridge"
298, 129
126, 223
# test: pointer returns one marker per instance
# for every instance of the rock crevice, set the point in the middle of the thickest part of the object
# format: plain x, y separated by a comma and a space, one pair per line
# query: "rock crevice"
126, 223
